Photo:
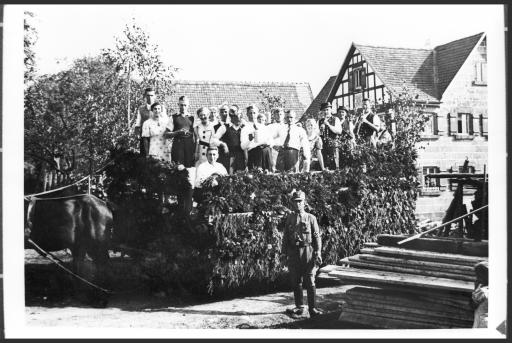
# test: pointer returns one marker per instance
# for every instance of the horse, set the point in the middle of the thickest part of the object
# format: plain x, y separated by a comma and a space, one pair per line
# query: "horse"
82, 223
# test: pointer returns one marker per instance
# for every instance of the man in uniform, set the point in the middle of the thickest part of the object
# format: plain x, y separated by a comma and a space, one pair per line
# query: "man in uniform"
302, 245
144, 113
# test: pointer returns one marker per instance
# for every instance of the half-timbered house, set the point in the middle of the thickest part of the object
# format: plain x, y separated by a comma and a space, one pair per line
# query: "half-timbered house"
450, 80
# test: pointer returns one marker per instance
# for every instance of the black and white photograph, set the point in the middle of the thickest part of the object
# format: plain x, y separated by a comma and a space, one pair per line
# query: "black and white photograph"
312, 171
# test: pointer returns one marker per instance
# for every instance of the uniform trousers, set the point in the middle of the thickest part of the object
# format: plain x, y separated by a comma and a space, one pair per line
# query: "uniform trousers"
302, 267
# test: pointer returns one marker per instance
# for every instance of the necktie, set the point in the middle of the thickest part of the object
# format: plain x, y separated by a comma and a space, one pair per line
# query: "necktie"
287, 139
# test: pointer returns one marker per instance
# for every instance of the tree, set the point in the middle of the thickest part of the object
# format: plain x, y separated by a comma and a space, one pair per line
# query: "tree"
29, 40
82, 111
76, 111
138, 61
270, 101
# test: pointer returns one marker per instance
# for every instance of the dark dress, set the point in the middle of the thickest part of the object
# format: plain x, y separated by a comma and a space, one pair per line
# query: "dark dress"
232, 139
183, 146
329, 152
223, 156
365, 131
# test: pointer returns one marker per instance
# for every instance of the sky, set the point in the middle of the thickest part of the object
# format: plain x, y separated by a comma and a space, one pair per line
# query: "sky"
283, 43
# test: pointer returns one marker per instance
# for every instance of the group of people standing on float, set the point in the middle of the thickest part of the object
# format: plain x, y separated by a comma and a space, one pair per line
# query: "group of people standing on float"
253, 142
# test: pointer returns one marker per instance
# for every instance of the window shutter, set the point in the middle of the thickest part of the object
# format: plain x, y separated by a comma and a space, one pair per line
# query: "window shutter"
363, 78
484, 72
435, 128
350, 81
441, 122
477, 72
453, 123
469, 119
484, 125
476, 125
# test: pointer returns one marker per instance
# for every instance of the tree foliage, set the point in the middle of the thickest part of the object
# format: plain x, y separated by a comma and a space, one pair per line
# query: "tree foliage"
29, 40
82, 110
138, 60
270, 101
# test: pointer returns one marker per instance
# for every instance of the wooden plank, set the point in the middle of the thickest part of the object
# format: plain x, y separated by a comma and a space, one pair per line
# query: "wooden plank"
406, 314
407, 317
447, 308
423, 311
443, 245
354, 262
430, 265
430, 256
457, 302
376, 321
408, 280
370, 245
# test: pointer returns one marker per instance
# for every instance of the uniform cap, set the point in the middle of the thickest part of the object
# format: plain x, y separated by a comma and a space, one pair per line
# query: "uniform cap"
298, 196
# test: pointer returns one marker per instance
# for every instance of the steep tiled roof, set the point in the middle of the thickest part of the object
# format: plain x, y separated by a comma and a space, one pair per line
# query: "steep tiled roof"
451, 57
321, 97
411, 68
398, 68
297, 96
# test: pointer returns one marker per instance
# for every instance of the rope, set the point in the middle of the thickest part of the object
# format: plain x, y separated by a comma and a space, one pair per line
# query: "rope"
49, 256
28, 197
59, 198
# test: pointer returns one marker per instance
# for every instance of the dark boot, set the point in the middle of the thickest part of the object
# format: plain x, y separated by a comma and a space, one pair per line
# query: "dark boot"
299, 309
313, 311
298, 296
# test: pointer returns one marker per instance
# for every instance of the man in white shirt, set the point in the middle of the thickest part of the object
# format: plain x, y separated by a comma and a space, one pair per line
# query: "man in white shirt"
292, 138
207, 169
276, 125
144, 113
257, 139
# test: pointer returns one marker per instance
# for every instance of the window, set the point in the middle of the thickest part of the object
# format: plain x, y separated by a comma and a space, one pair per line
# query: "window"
430, 128
465, 124
358, 78
431, 182
480, 74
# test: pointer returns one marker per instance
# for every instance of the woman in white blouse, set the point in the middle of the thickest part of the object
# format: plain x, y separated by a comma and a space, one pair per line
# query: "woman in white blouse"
153, 129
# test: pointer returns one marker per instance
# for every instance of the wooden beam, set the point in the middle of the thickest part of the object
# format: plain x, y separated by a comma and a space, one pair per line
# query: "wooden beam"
409, 280
400, 261
354, 261
430, 256
439, 245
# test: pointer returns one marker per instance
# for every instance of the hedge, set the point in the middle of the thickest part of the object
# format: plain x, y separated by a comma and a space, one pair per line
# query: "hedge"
232, 245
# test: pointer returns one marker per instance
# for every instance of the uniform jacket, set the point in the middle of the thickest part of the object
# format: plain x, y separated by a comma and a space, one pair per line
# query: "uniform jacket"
299, 230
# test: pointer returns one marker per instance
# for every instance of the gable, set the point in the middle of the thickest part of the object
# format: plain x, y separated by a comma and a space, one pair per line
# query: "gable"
450, 58
322, 96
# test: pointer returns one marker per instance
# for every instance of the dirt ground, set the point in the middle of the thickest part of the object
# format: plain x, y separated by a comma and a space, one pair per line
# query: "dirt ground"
48, 305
